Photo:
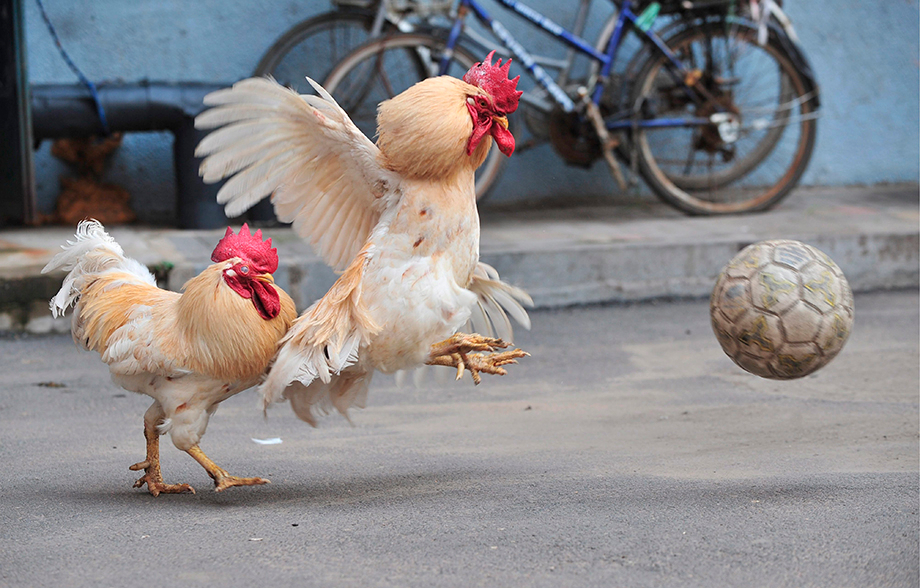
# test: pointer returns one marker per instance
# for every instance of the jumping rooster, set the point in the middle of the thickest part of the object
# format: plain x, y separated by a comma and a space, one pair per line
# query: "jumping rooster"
189, 351
398, 219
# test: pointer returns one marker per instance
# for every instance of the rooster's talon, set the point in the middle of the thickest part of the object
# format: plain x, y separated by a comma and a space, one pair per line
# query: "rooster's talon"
476, 363
225, 482
157, 487
141, 465
461, 365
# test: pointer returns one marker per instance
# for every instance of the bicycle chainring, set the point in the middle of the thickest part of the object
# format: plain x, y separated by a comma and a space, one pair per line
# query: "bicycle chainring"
537, 119
573, 138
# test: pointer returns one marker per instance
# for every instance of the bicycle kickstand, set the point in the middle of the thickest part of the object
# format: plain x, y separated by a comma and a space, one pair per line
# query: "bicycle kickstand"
608, 143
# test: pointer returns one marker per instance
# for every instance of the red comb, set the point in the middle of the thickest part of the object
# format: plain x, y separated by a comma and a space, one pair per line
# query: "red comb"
494, 80
248, 247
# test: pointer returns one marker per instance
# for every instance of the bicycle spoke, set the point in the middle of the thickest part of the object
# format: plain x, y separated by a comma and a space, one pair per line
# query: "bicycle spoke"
313, 48
691, 155
382, 75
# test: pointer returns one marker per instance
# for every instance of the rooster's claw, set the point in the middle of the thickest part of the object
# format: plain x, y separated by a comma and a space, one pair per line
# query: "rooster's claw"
154, 480
157, 487
455, 352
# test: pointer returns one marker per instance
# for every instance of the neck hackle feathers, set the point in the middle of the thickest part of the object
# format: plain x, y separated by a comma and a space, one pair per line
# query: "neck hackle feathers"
260, 254
494, 80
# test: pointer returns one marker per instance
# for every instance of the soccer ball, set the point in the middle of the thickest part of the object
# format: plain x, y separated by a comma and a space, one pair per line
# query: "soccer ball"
781, 309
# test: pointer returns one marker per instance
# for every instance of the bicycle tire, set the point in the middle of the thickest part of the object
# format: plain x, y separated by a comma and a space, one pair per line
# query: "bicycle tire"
746, 185
347, 83
311, 48
293, 56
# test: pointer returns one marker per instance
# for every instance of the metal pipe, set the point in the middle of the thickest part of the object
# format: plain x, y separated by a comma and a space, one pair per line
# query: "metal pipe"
63, 110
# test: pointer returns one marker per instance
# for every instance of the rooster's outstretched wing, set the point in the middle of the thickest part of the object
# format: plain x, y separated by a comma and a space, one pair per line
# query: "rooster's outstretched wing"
322, 172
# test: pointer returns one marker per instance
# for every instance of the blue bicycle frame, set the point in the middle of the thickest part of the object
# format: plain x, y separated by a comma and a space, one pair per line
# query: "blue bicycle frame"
606, 59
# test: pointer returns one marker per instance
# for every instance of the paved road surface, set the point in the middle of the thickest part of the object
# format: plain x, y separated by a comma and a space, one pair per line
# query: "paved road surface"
628, 451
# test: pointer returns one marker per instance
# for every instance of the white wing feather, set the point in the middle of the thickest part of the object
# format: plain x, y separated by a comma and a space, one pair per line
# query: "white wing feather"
320, 169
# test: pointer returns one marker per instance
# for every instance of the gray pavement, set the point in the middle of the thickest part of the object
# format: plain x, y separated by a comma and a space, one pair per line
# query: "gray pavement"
631, 250
627, 451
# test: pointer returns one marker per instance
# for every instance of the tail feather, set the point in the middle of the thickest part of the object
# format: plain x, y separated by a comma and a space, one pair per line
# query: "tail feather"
320, 398
91, 253
495, 301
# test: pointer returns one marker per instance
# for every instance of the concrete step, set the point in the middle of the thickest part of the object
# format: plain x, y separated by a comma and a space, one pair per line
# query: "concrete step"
560, 256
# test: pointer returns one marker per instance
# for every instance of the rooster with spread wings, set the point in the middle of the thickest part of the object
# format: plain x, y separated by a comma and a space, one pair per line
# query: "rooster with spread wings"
398, 219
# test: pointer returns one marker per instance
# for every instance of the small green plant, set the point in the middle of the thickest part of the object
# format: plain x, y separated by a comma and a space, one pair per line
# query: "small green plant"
161, 271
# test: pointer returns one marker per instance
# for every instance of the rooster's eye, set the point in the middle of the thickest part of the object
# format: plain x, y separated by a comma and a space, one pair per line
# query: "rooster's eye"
244, 269
482, 102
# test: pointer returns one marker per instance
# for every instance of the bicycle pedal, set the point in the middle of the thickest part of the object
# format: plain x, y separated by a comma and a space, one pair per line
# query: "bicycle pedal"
693, 77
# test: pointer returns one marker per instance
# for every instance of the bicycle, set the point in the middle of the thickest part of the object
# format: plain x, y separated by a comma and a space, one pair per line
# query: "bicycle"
326, 38
690, 89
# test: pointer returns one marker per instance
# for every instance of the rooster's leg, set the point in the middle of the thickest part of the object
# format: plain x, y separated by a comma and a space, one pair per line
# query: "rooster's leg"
456, 352
151, 465
222, 480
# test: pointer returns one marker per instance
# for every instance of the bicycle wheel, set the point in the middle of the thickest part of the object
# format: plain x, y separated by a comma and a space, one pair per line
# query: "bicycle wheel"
382, 68
314, 46
751, 158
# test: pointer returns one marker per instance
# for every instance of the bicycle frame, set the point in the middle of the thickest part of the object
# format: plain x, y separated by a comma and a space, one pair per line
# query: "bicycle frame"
606, 59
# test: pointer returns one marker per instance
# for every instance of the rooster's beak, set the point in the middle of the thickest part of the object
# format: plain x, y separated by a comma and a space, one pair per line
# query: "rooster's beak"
502, 120
268, 278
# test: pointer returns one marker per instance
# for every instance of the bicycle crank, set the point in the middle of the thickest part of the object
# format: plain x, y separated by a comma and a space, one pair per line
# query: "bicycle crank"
608, 143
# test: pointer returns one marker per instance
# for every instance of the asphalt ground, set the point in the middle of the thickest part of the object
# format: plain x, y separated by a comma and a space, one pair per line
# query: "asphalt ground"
627, 451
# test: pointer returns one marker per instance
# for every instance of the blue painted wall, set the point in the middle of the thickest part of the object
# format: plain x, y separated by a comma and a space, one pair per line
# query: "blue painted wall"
865, 54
